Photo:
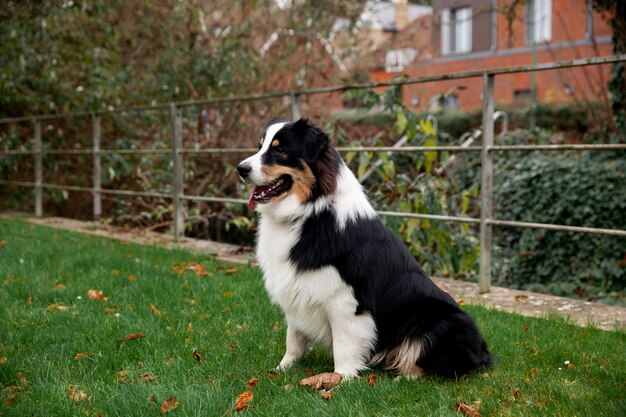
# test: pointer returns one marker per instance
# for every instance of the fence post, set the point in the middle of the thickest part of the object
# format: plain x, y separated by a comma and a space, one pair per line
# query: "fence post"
177, 180
38, 168
295, 106
486, 185
97, 178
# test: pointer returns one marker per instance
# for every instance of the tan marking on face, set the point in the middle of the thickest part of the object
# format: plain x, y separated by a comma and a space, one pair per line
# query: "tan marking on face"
303, 179
275, 143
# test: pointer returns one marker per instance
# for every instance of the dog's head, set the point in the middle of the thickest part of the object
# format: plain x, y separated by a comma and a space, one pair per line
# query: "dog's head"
294, 161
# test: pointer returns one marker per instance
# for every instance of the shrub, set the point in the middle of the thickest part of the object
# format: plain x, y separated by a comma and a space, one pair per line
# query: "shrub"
577, 190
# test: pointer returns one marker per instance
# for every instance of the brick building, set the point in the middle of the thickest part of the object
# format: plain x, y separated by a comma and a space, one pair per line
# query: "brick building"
469, 35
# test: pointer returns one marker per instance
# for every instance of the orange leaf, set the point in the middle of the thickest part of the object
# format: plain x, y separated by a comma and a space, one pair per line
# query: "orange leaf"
155, 310
97, 295
198, 269
81, 355
131, 337
372, 380
29, 299
2, 243
466, 410
147, 378
121, 377
197, 355
243, 400
11, 400
252, 382
231, 271
325, 380
327, 395
78, 395
169, 404
3, 359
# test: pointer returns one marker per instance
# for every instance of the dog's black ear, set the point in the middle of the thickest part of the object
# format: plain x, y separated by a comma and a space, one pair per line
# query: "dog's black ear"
314, 140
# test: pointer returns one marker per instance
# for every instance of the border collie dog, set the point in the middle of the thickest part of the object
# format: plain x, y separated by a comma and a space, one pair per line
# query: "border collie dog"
340, 276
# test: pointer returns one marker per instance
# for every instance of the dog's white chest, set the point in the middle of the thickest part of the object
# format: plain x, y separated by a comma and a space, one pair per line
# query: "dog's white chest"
308, 298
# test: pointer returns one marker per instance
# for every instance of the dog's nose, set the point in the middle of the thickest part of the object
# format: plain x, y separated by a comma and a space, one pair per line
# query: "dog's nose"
244, 169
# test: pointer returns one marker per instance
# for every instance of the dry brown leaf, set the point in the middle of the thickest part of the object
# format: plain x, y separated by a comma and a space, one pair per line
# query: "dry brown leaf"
81, 355
169, 405
522, 298
3, 359
11, 400
121, 378
466, 409
78, 395
57, 307
198, 269
243, 400
132, 278
2, 243
97, 295
327, 395
147, 378
29, 299
325, 380
272, 373
189, 327
58, 286
197, 355
155, 310
131, 337
252, 382
231, 271
372, 380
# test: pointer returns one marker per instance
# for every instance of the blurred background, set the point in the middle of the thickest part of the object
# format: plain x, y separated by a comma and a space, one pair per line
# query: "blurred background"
127, 60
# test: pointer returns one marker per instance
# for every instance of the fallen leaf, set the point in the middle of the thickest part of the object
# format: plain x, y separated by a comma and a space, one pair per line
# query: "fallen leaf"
155, 310
2, 243
252, 382
243, 400
198, 269
461, 302
521, 298
327, 395
131, 337
466, 410
147, 378
97, 295
29, 299
121, 378
132, 278
325, 380
516, 393
189, 327
78, 395
187, 340
231, 271
11, 400
371, 380
3, 359
272, 373
58, 286
287, 387
152, 398
308, 372
57, 306
197, 355
81, 355
228, 294
169, 404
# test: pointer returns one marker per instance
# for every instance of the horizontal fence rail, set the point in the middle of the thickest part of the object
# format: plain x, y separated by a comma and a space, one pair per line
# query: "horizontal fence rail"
177, 151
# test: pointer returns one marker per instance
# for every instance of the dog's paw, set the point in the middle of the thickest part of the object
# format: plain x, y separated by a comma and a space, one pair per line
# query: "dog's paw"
326, 381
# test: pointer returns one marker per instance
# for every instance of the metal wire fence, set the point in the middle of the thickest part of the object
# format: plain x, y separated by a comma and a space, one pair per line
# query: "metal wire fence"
177, 151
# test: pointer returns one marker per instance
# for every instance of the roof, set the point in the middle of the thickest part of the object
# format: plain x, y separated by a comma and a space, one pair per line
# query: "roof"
382, 15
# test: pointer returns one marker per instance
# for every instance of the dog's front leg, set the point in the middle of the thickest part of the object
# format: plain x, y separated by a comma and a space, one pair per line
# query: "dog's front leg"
354, 336
297, 345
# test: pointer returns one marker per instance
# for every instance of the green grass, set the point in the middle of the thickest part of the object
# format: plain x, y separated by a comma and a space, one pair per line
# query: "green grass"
240, 336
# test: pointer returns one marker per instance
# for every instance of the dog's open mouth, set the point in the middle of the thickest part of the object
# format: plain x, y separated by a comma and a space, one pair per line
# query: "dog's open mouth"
262, 194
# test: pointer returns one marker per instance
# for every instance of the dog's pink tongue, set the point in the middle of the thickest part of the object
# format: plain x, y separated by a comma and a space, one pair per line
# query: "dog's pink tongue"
251, 202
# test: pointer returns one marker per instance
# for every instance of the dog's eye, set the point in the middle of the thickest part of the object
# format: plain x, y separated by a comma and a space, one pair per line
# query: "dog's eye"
278, 153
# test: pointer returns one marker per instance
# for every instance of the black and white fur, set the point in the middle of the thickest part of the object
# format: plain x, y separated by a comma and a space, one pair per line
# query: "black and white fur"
341, 277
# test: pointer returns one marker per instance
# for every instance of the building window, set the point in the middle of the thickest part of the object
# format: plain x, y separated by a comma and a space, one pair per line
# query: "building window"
456, 31
397, 59
538, 20
449, 101
522, 97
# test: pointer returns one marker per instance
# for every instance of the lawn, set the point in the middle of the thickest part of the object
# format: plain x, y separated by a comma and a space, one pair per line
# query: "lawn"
206, 328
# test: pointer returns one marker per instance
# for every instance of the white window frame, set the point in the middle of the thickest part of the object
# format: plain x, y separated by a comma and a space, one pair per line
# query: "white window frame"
538, 22
456, 31
398, 59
